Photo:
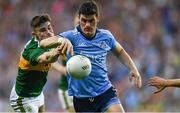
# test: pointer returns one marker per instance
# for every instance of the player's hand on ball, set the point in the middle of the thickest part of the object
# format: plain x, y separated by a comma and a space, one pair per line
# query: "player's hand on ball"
66, 46
135, 76
159, 83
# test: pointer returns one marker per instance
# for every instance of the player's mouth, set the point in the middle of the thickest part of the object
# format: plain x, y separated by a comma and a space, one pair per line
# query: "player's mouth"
88, 29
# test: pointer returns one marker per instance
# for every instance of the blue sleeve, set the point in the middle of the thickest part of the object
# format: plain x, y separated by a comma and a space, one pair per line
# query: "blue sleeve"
112, 40
67, 35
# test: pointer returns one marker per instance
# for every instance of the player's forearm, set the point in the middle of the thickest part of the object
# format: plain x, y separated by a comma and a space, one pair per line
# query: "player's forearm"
59, 67
124, 57
173, 82
48, 57
52, 58
126, 60
50, 42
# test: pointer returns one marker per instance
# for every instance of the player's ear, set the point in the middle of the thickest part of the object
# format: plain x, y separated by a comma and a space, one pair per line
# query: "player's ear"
33, 33
97, 18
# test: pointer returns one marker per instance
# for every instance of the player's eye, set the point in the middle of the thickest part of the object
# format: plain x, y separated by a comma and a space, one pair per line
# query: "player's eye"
42, 30
83, 20
91, 21
49, 27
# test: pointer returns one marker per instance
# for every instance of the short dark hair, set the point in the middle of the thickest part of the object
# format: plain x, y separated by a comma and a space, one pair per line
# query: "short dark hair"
89, 8
39, 19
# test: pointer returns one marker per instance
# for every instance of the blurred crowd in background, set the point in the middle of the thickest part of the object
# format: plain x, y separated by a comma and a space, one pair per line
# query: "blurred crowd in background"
149, 30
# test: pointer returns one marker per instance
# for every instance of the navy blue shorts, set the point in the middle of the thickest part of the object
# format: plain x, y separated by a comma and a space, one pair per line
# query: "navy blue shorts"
97, 104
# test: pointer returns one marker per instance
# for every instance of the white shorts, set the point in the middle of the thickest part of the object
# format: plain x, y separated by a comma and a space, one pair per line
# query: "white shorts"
26, 104
66, 101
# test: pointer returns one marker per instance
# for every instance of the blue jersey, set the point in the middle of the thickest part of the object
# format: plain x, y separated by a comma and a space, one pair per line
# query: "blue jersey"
96, 50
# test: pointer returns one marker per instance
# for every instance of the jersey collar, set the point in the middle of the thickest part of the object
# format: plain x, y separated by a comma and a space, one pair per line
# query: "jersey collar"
36, 41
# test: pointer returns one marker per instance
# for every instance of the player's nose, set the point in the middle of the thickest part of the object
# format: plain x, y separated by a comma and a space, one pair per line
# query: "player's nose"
48, 33
88, 24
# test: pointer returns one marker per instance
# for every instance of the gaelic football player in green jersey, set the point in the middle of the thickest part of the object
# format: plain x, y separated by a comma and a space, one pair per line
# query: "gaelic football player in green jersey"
34, 64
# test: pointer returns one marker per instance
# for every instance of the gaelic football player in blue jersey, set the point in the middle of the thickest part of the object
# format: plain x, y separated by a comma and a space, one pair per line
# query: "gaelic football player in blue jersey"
94, 93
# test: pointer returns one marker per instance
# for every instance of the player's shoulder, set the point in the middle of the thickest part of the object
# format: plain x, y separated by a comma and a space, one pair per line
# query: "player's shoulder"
29, 47
33, 43
105, 32
71, 32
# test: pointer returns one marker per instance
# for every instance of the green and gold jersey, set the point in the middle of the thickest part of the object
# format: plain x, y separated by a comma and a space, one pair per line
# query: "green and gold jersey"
31, 75
63, 84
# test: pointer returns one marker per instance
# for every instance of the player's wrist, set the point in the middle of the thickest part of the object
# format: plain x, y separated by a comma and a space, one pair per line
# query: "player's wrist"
60, 39
167, 83
55, 52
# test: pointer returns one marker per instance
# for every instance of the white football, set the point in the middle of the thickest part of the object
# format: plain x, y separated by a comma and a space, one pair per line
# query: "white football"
78, 66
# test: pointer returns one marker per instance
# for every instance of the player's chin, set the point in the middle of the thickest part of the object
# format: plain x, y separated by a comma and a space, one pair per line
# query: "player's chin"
89, 34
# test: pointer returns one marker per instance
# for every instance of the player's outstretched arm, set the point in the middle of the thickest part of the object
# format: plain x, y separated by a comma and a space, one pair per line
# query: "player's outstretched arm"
50, 56
58, 41
126, 60
59, 67
51, 42
161, 83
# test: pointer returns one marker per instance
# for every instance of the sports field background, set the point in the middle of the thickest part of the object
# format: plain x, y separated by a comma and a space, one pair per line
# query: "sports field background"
149, 30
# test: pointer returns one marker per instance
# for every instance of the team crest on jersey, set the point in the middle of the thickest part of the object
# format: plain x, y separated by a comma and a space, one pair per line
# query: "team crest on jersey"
28, 108
103, 44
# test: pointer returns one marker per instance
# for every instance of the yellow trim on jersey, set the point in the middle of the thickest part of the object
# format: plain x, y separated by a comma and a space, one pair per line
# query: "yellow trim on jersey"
25, 65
